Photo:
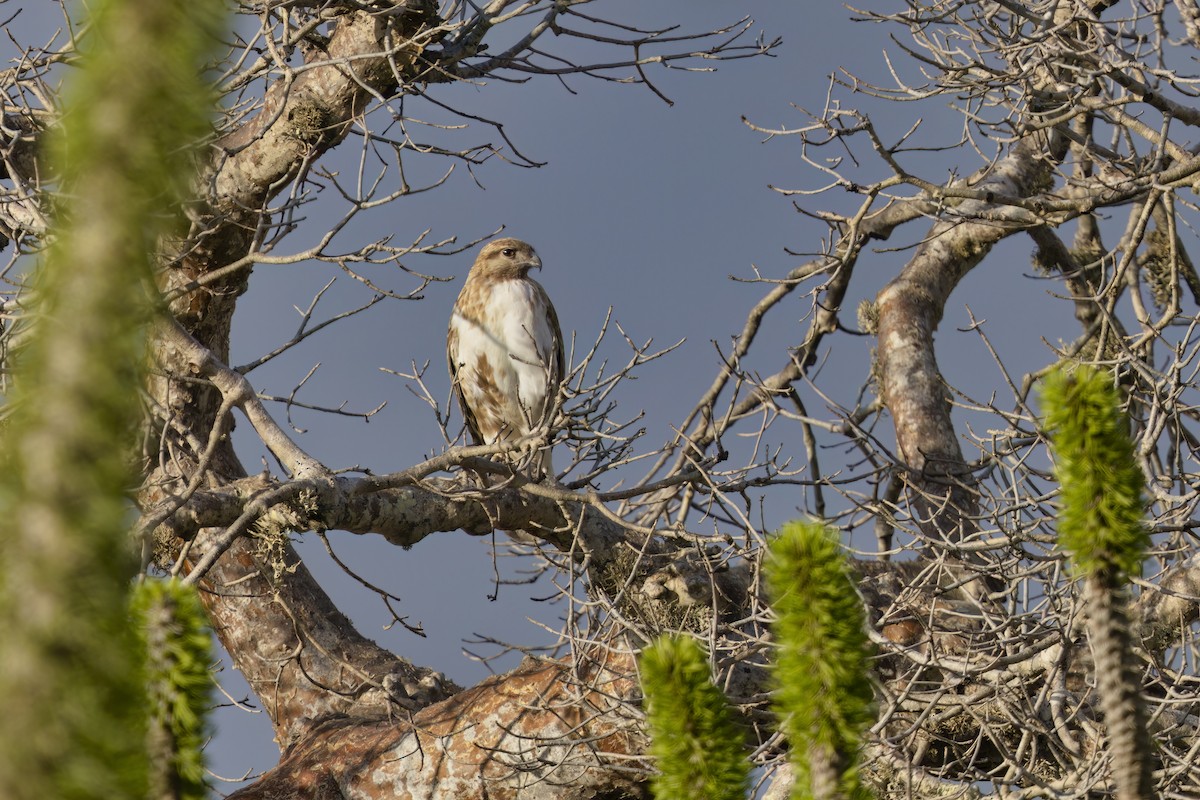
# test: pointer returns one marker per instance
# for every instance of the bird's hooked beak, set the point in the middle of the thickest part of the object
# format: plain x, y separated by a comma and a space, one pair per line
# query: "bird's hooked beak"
534, 263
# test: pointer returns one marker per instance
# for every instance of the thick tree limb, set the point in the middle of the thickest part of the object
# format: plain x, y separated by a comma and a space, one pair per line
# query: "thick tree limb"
304, 660
548, 729
911, 386
301, 655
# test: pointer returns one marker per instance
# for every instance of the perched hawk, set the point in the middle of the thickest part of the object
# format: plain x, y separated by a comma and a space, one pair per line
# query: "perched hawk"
505, 348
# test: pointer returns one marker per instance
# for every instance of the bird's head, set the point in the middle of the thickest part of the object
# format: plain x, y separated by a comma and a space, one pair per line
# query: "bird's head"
506, 258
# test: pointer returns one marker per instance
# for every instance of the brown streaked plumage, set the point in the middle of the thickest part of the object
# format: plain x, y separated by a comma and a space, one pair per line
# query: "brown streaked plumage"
504, 347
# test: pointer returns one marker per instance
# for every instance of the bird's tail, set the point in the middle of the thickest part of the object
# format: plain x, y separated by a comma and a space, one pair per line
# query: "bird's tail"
544, 460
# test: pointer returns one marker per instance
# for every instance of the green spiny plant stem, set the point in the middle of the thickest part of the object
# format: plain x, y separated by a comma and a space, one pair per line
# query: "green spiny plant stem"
1118, 684
696, 746
823, 697
1100, 516
177, 648
1100, 525
74, 711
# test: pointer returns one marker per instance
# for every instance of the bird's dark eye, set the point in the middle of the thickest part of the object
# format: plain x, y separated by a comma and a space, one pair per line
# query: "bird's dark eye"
508, 252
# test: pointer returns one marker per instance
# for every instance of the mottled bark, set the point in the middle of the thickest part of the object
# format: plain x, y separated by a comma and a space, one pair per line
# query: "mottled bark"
366, 57
549, 730
301, 655
1162, 617
910, 308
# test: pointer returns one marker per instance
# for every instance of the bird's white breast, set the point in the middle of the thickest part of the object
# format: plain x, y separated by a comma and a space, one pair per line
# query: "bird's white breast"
512, 334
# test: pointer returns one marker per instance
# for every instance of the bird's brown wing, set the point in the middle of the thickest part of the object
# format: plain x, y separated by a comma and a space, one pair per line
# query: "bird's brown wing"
456, 385
558, 359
